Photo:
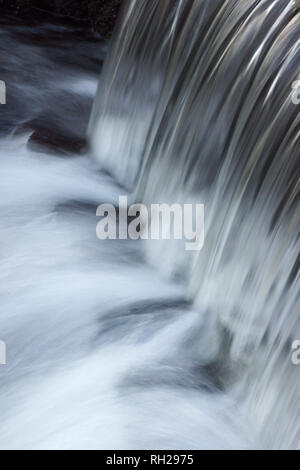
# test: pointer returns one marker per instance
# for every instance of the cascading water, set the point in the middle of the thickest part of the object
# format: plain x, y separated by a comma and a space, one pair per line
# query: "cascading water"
102, 352
195, 104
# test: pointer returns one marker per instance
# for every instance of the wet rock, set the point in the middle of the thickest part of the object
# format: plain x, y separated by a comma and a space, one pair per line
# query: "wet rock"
54, 140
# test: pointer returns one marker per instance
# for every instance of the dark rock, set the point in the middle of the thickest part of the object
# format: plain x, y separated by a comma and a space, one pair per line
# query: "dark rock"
55, 140
100, 15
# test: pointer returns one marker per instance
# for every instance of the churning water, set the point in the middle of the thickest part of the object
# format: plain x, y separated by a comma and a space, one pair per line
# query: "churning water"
198, 95
101, 352
129, 345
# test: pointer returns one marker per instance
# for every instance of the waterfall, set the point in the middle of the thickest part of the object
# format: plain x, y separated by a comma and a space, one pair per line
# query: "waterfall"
195, 104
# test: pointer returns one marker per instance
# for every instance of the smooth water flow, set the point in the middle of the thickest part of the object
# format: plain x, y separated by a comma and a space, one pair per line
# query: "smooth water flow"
123, 344
102, 351
195, 104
